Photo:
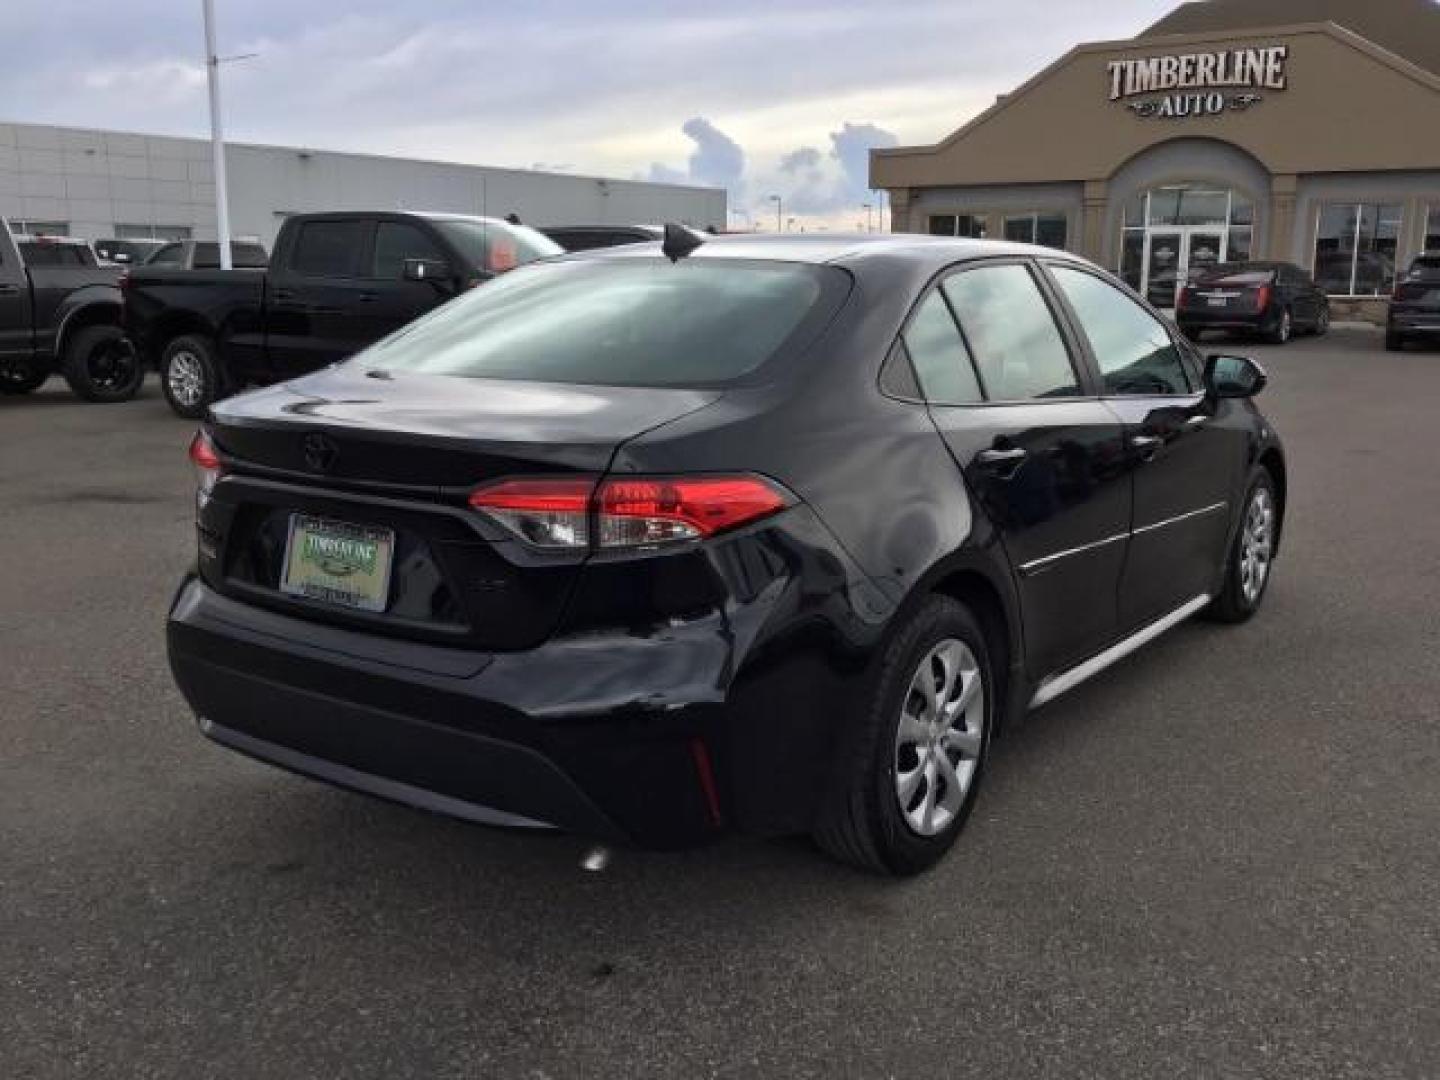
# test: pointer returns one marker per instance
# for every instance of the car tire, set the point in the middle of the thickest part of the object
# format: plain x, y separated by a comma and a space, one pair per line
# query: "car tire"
1322, 322
1393, 341
22, 376
101, 366
190, 375
1284, 327
1251, 557
895, 808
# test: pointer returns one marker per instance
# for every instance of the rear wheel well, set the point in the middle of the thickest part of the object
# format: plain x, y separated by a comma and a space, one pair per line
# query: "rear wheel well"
90, 315
177, 325
980, 596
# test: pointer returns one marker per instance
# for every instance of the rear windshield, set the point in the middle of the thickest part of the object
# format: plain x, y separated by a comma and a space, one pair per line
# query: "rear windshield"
618, 322
496, 247
39, 253
1237, 274
1426, 267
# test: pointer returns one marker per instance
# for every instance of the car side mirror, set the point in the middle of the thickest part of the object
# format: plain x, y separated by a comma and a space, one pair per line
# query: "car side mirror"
1234, 377
434, 270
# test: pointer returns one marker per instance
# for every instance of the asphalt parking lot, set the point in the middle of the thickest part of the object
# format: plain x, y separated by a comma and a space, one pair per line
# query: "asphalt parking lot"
1219, 859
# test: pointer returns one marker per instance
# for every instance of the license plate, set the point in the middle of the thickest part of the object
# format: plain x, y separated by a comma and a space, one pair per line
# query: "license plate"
1216, 301
338, 563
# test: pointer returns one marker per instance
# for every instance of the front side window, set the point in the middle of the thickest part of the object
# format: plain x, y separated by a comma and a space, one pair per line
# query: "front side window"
1133, 350
937, 352
396, 241
1355, 248
619, 322
169, 255
1012, 334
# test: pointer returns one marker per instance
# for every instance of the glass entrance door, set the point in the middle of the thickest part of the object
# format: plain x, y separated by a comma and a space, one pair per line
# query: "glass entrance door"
1173, 255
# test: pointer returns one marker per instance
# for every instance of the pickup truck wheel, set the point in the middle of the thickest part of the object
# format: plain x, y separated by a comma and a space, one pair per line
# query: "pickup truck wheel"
190, 376
100, 365
22, 376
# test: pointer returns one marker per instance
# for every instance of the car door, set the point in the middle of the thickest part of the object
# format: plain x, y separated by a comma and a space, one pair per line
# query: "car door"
316, 298
1042, 457
392, 301
1181, 454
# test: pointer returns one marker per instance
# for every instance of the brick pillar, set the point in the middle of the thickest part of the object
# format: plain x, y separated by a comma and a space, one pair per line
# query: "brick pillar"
1280, 244
1092, 220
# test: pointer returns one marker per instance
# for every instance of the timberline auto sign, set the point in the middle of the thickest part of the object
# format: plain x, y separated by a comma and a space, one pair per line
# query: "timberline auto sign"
1197, 84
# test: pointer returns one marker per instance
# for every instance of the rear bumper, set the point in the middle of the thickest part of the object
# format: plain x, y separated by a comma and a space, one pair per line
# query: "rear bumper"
660, 737
1220, 319
505, 740
1417, 323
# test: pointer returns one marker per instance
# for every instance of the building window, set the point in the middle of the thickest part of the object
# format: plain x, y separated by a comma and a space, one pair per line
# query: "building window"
971, 226
1432, 229
133, 231
1355, 247
1047, 230
39, 228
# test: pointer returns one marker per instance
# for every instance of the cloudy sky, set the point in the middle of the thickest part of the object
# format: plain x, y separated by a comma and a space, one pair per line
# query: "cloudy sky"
758, 96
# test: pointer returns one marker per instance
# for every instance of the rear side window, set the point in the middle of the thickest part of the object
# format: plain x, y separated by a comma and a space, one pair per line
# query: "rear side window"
396, 241
169, 255
1012, 334
937, 352
1133, 350
329, 248
621, 323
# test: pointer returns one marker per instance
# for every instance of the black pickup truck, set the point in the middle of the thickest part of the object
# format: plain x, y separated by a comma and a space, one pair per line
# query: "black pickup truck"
336, 283
60, 309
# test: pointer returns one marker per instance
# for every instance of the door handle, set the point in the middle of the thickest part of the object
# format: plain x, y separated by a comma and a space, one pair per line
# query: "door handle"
282, 294
368, 297
1147, 445
1012, 456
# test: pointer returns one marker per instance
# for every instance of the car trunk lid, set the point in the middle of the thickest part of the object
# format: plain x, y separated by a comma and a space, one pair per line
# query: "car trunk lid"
353, 456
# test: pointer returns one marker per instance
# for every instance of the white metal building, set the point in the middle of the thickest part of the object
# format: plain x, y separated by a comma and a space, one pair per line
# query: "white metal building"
96, 184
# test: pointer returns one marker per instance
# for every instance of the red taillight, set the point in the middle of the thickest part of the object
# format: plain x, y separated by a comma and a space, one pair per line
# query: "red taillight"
1262, 297
546, 513
626, 512
1183, 298
206, 461
124, 282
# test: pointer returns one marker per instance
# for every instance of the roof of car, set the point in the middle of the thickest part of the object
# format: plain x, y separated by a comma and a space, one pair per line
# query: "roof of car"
837, 247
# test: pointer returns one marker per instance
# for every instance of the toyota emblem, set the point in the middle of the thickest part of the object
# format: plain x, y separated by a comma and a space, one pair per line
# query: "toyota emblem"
320, 452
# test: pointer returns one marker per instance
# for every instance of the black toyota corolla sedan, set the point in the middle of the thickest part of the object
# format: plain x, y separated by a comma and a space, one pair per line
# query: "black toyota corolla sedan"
767, 535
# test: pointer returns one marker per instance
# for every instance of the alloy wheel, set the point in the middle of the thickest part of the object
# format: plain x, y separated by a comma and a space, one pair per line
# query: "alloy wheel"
1285, 327
185, 377
1257, 540
940, 737
111, 364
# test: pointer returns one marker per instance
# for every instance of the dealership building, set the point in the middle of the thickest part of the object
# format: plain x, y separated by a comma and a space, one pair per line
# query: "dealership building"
98, 184
1306, 131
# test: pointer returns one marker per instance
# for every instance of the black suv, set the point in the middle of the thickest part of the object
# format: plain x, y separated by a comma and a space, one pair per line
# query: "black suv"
774, 537
1272, 300
1415, 307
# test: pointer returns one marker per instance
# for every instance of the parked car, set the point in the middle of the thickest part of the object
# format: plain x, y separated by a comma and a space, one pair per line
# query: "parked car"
754, 540
1415, 307
589, 237
60, 310
1272, 300
127, 252
205, 255
337, 283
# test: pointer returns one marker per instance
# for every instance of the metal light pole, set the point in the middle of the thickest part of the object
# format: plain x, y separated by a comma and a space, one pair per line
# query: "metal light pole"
217, 137
776, 200
868, 226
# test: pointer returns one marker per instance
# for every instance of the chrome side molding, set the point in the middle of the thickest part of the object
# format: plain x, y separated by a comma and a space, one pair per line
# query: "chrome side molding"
1056, 685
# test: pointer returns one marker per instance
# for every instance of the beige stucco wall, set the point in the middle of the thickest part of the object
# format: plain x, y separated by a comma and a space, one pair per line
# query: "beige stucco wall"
1347, 106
